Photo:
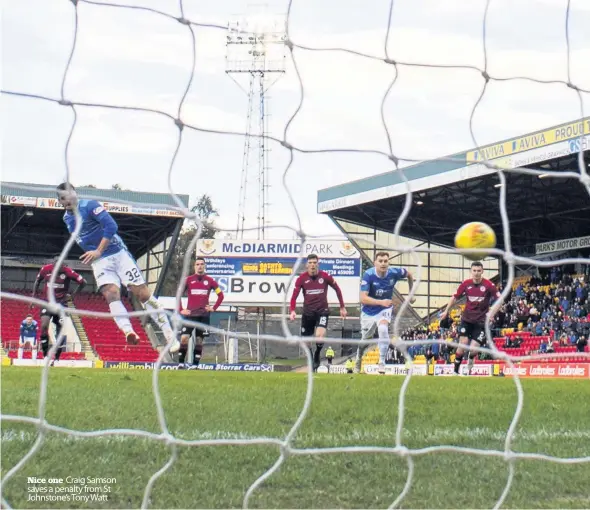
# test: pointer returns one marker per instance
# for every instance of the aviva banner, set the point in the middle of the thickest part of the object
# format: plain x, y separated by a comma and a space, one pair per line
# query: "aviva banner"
258, 272
529, 142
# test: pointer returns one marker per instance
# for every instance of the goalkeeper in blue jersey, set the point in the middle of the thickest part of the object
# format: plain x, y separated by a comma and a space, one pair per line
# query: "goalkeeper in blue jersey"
28, 335
376, 297
111, 262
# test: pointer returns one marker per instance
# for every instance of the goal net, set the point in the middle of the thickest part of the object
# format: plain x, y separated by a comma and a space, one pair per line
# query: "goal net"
186, 16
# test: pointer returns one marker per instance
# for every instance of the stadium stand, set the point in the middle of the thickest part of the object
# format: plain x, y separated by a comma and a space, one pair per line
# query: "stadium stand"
12, 314
106, 340
541, 315
104, 335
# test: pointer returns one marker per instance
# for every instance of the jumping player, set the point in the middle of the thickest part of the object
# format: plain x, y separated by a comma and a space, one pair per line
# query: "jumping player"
111, 262
198, 286
314, 320
376, 297
61, 289
28, 336
480, 294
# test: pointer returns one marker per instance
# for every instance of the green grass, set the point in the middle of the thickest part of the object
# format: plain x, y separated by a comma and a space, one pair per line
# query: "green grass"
345, 411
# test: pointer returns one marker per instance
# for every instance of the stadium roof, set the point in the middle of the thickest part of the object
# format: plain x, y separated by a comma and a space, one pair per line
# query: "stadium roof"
32, 221
113, 195
456, 189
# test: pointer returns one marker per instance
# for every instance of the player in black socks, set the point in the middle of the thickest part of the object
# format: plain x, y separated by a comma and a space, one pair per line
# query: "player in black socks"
314, 284
198, 286
480, 294
61, 289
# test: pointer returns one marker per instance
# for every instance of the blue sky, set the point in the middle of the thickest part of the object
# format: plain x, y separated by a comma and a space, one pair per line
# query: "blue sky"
135, 58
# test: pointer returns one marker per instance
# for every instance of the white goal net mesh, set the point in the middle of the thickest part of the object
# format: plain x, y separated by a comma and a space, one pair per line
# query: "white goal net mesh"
579, 178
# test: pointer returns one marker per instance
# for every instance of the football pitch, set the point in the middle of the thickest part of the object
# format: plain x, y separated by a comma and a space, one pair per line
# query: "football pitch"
345, 411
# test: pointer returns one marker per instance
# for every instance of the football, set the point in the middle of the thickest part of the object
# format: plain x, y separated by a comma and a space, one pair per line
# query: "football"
475, 235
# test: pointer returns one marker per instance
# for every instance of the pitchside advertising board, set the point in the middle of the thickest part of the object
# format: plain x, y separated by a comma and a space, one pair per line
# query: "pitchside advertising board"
258, 272
223, 367
540, 370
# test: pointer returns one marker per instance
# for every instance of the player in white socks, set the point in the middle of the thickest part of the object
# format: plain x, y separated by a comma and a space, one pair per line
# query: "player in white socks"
377, 305
28, 335
111, 262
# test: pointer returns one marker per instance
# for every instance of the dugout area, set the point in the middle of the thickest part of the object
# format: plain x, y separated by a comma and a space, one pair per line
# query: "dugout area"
33, 230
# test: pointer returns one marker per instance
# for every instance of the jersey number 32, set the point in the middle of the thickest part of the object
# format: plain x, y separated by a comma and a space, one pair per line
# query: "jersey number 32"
133, 274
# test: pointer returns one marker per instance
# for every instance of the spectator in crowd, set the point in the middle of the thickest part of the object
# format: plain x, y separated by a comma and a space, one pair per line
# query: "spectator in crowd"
543, 345
394, 356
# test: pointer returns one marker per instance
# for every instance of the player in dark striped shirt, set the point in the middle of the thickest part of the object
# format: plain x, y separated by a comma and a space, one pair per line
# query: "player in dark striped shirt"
198, 287
480, 294
61, 291
314, 320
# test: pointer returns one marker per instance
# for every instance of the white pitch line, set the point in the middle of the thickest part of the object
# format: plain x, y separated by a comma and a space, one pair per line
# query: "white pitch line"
448, 436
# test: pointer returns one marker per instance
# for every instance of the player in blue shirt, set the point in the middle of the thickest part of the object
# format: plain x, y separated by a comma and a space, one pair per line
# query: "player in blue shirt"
376, 299
28, 335
111, 262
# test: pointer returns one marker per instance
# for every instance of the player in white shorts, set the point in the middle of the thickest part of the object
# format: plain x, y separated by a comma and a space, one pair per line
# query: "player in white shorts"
111, 262
28, 335
377, 306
